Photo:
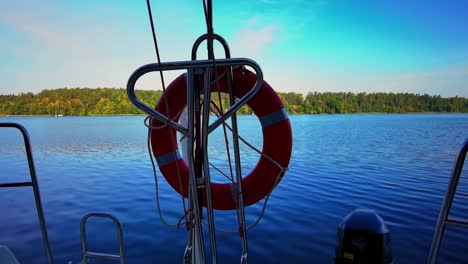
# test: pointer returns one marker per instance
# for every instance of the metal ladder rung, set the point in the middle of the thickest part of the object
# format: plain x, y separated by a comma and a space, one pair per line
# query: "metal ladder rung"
457, 222
15, 184
84, 244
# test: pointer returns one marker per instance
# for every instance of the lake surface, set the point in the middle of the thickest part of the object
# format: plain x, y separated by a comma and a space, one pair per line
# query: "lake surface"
398, 165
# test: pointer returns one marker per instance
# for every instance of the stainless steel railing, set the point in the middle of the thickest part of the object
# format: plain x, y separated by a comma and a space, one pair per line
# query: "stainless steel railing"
84, 242
444, 218
33, 183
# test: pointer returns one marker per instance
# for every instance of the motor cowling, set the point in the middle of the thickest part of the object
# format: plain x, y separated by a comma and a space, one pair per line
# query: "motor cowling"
363, 237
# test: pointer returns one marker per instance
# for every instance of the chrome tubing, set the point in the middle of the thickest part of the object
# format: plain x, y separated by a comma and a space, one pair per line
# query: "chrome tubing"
238, 168
206, 165
181, 65
34, 184
204, 37
447, 204
84, 242
196, 232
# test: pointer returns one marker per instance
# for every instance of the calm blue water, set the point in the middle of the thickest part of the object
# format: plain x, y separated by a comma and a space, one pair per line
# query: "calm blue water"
398, 165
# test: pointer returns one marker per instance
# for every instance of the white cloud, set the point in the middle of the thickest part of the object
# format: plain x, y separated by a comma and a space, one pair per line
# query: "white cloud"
252, 40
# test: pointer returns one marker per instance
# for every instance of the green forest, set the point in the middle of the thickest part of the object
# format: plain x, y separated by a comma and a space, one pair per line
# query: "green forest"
109, 101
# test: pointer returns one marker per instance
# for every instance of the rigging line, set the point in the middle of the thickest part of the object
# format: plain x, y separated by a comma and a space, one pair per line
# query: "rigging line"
226, 140
158, 204
220, 171
281, 169
147, 122
155, 41
214, 107
240, 207
209, 24
208, 10
260, 216
148, 125
208, 83
156, 48
249, 144
215, 110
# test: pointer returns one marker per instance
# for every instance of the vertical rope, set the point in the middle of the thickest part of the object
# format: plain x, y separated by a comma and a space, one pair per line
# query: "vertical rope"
155, 42
156, 48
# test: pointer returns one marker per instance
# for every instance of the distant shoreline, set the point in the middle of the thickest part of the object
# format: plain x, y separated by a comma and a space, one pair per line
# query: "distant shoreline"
109, 102
294, 114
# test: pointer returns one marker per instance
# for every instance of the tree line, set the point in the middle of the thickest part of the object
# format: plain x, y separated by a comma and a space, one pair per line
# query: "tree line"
109, 101
343, 103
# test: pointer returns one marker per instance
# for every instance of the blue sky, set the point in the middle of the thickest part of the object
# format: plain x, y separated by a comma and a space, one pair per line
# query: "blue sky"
303, 46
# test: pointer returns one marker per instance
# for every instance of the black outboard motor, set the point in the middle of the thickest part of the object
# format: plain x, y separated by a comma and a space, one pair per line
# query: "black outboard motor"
363, 238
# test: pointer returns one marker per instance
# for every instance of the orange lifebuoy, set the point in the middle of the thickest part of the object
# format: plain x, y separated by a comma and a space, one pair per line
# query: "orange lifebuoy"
277, 140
